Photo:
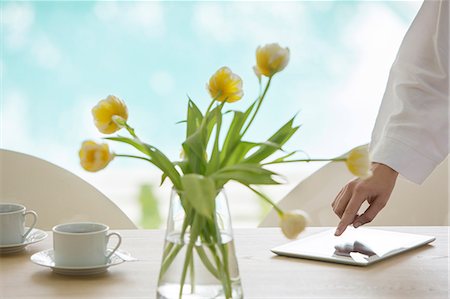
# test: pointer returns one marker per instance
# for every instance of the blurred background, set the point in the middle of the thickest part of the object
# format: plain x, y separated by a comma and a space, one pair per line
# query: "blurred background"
59, 58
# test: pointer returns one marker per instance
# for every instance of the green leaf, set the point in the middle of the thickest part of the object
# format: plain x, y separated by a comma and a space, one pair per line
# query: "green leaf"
195, 145
214, 162
243, 148
247, 174
164, 164
182, 165
239, 152
274, 143
234, 135
211, 120
194, 148
156, 156
200, 192
192, 145
133, 142
163, 178
194, 118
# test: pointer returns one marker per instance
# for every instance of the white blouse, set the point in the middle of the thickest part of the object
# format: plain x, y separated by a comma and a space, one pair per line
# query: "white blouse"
411, 133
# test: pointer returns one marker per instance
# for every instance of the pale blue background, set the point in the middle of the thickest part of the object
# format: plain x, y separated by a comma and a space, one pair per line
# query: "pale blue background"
59, 59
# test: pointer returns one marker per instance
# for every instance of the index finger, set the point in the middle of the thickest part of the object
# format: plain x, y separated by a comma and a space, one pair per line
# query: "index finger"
350, 213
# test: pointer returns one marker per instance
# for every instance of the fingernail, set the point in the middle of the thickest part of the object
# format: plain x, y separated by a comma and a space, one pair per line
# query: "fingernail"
357, 224
337, 232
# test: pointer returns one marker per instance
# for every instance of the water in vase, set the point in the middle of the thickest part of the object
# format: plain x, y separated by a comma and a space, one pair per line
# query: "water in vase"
208, 269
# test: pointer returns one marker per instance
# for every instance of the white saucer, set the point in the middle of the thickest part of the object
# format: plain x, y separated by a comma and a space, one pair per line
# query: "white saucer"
34, 236
46, 258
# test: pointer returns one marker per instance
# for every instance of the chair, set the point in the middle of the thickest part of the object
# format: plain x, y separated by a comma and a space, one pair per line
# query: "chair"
410, 204
56, 194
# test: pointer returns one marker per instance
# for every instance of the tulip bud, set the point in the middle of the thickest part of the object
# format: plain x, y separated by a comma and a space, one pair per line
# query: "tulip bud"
292, 223
109, 114
94, 156
225, 85
271, 59
358, 162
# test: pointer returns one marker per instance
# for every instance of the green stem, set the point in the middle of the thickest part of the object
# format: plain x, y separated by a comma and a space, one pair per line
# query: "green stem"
196, 225
220, 267
131, 131
170, 258
169, 246
213, 239
306, 160
187, 261
206, 262
268, 200
208, 239
225, 274
209, 107
192, 274
215, 154
257, 107
135, 157
187, 220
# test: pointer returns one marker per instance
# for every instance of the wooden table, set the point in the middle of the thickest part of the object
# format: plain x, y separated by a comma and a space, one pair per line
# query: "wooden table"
421, 273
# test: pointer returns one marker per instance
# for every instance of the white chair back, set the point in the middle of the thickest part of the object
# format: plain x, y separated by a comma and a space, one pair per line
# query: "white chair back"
410, 204
57, 195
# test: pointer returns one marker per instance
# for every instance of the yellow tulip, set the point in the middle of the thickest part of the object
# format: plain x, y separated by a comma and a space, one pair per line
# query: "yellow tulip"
292, 223
94, 156
271, 59
358, 162
109, 114
225, 85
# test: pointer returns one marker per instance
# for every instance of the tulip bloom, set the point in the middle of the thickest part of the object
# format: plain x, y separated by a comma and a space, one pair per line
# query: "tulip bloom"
292, 223
271, 59
358, 162
106, 111
225, 85
94, 156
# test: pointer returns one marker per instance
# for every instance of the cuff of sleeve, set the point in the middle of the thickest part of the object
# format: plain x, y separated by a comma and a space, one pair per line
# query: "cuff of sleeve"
404, 159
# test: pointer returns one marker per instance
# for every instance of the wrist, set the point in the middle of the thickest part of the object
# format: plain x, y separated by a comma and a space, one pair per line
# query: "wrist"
383, 169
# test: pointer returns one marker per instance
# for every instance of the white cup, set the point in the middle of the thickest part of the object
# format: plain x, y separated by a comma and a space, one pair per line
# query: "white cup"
12, 223
82, 244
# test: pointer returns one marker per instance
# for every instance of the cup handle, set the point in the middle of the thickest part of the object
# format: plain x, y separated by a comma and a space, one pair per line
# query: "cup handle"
118, 243
33, 224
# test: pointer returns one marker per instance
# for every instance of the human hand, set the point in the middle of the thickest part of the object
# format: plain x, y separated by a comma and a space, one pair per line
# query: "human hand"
376, 190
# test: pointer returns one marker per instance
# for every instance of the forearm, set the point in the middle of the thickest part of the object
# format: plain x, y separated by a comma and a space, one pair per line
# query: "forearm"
411, 132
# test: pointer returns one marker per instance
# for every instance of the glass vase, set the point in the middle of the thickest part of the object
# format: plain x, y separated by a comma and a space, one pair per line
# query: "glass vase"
199, 258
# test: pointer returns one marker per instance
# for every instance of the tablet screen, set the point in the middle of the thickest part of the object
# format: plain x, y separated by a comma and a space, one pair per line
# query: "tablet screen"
362, 246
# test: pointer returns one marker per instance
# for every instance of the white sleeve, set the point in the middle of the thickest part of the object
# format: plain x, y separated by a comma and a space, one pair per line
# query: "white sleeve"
411, 130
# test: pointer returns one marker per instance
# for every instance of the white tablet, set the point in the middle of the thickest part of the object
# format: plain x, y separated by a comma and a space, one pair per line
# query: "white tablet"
360, 247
